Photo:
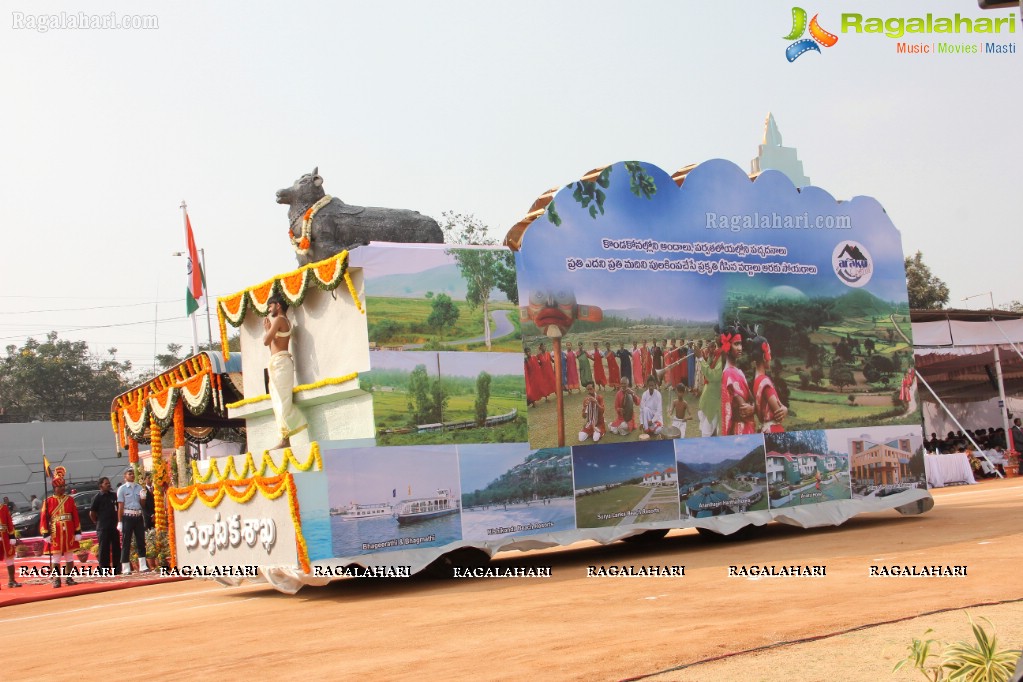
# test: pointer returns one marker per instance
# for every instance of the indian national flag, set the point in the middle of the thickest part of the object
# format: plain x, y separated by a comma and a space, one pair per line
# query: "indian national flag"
196, 279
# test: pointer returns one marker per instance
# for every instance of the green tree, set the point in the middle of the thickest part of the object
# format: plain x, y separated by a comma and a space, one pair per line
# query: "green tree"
926, 291
483, 270
443, 313
172, 357
841, 375
482, 397
426, 398
878, 368
58, 380
419, 400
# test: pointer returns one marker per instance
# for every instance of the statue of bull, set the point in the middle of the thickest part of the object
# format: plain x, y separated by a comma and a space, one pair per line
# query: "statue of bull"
322, 226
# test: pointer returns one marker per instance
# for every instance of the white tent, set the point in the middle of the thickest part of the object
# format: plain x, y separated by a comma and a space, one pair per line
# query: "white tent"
960, 354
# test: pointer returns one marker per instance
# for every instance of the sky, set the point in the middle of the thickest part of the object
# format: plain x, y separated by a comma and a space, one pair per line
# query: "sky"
462, 106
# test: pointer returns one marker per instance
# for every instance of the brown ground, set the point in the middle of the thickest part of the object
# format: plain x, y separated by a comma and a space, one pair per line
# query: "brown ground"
570, 627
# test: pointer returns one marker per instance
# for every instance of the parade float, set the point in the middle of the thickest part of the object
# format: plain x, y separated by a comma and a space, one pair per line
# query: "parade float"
444, 386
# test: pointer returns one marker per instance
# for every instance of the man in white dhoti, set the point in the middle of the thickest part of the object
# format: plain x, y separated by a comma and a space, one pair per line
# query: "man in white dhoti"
651, 409
281, 369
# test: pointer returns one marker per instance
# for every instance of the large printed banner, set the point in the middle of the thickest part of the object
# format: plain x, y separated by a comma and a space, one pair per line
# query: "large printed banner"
721, 307
436, 496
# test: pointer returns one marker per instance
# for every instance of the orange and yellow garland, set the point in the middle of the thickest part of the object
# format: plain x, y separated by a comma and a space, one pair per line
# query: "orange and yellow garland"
326, 274
193, 382
241, 491
160, 476
249, 468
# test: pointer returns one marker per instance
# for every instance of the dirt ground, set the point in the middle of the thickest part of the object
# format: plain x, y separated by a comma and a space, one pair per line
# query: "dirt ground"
569, 626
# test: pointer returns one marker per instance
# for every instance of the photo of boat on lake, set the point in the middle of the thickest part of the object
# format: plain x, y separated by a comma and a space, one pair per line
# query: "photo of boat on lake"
510, 489
625, 484
723, 475
385, 499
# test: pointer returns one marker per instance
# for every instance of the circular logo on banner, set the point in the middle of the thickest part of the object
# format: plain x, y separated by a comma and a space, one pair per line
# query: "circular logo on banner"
853, 263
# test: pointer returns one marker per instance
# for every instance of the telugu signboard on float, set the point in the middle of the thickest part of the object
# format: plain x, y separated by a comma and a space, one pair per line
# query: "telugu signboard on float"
651, 353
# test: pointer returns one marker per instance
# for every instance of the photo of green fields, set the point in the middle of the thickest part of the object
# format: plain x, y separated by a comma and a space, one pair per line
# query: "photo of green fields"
838, 362
462, 299
620, 485
428, 397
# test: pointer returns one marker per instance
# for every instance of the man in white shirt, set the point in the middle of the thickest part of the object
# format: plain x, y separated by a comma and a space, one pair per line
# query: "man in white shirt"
651, 410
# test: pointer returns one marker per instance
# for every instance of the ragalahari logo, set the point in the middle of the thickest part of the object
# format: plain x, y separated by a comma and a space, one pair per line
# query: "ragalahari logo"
818, 36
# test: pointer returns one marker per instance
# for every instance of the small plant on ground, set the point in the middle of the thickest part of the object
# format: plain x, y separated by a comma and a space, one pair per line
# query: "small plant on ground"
978, 661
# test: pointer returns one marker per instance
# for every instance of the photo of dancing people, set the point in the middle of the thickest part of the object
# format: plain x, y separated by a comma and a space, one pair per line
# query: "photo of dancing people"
644, 320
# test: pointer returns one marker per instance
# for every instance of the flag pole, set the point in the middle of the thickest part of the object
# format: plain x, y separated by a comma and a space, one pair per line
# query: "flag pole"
46, 495
195, 329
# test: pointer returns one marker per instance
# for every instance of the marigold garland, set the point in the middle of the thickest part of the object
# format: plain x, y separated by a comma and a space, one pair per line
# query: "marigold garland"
327, 275
179, 425
330, 381
133, 451
159, 476
242, 492
249, 468
351, 290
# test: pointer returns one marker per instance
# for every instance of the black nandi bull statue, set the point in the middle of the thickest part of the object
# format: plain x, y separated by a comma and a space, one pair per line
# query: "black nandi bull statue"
322, 226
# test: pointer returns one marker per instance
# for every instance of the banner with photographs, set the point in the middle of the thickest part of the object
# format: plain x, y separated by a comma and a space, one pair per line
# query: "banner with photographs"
721, 307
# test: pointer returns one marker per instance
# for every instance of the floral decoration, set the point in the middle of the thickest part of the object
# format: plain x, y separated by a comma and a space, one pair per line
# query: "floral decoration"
250, 469
293, 286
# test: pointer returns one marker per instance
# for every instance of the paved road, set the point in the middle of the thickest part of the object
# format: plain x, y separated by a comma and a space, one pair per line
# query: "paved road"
501, 327
568, 627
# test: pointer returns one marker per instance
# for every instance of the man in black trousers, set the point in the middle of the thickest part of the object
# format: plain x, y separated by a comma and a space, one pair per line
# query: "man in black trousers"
103, 513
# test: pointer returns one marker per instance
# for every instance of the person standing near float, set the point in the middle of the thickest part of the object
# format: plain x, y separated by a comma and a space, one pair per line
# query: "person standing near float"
277, 336
60, 526
736, 400
131, 522
709, 407
103, 513
770, 410
7, 544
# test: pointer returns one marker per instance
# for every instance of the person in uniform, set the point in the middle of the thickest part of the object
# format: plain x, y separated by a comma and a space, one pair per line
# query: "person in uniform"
131, 522
60, 526
103, 513
7, 544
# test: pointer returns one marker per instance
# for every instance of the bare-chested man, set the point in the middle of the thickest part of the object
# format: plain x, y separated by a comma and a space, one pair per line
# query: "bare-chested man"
277, 335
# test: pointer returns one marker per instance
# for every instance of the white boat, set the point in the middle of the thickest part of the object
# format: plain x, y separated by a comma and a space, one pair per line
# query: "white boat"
422, 508
354, 512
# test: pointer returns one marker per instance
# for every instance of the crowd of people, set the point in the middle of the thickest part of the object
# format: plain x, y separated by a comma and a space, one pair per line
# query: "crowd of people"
126, 514
726, 405
991, 441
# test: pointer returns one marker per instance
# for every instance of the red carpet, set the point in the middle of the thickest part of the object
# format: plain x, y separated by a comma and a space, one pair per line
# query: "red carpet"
39, 588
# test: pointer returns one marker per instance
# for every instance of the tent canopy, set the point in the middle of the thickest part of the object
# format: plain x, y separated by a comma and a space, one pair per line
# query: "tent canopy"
955, 352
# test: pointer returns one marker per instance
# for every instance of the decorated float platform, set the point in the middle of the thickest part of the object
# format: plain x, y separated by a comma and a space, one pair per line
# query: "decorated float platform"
444, 385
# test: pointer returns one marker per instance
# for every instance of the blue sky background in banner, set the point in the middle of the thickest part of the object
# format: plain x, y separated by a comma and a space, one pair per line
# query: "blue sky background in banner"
714, 450
680, 214
481, 464
603, 464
